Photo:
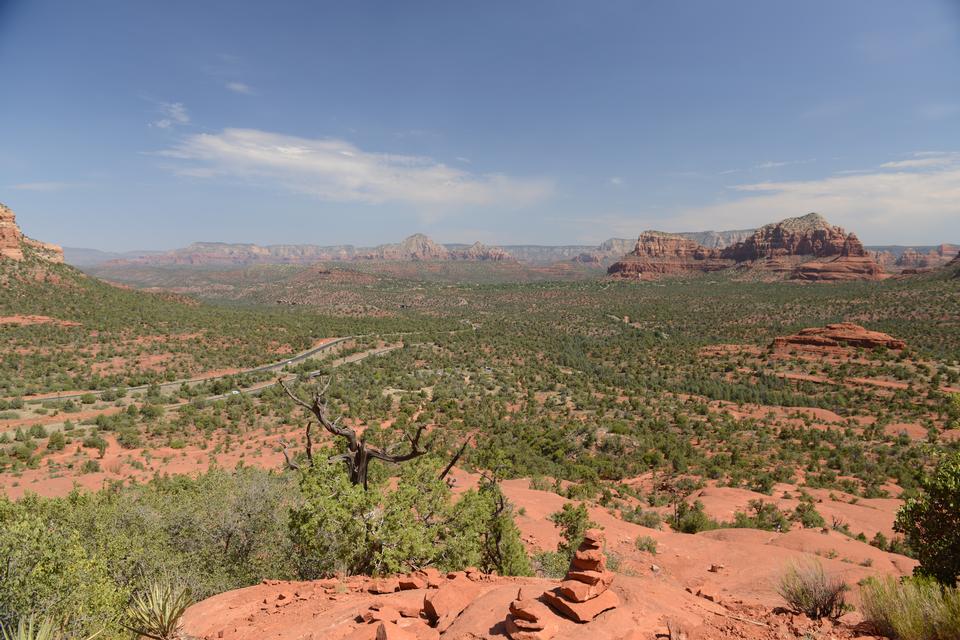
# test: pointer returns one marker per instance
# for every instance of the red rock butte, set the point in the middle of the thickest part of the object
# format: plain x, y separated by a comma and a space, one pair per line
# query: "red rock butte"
784, 247
836, 336
13, 243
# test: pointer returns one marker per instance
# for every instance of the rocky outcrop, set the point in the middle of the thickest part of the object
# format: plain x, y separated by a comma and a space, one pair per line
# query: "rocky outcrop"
836, 336
839, 269
809, 235
656, 254
913, 259
853, 263
15, 246
10, 236
718, 239
479, 252
780, 249
417, 247
584, 593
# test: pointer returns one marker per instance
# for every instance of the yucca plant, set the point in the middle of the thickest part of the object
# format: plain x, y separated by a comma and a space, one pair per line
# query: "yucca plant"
30, 629
156, 613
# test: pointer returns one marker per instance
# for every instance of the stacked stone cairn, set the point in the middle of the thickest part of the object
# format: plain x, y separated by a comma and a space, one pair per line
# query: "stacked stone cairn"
584, 593
530, 619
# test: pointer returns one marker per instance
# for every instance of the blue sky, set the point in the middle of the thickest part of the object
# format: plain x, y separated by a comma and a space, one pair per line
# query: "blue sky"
136, 124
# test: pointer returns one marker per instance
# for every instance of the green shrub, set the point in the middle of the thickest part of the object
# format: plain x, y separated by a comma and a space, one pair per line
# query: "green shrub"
573, 522
646, 543
808, 590
49, 573
765, 515
551, 564
931, 522
693, 518
340, 527
57, 441
808, 516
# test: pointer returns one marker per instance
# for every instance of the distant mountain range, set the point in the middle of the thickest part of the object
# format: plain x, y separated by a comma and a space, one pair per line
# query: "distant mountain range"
415, 247
419, 247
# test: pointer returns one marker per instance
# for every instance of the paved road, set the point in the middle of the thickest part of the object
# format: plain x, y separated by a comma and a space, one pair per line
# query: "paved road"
176, 384
258, 388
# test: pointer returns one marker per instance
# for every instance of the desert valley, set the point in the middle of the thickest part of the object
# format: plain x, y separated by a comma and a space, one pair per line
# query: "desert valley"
717, 415
431, 320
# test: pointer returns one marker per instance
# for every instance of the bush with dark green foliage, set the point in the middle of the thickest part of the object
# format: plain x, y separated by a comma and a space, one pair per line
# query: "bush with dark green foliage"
340, 527
931, 522
762, 515
808, 516
691, 518
573, 522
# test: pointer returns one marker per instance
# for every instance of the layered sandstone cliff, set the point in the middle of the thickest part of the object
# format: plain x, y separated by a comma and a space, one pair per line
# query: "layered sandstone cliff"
656, 254
15, 246
805, 248
809, 235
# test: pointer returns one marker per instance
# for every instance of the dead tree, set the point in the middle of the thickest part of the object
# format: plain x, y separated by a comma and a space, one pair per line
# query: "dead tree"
358, 454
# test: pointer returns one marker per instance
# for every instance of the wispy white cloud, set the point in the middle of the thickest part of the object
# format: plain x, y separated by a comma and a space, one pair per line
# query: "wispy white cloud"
239, 87
911, 201
924, 189
337, 170
615, 181
172, 114
925, 159
770, 164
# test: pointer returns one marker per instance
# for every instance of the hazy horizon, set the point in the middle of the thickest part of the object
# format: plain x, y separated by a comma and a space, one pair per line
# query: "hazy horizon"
136, 126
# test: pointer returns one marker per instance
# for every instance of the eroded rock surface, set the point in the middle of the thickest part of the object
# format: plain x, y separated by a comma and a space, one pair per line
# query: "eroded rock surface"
14, 245
782, 248
836, 336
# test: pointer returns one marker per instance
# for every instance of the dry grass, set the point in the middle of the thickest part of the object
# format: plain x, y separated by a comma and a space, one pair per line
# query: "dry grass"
808, 590
912, 609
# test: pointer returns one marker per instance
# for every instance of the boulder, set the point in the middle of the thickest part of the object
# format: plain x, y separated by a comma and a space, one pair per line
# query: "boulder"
442, 606
390, 631
582, 611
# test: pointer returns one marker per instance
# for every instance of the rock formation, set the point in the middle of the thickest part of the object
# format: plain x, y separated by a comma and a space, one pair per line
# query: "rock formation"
584, 593
839, 269
417, 247
718, 239
836, 336
479, 252
853, 263
657, 253
10, 236
530, 619
13, 243
783, 247
809, 235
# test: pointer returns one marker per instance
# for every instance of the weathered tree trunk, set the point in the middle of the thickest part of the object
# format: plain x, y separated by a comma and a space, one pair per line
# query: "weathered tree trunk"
358, 454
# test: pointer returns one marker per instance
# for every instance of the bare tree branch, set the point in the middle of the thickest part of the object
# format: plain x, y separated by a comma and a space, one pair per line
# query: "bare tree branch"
286, 456
358, 454
454, 459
